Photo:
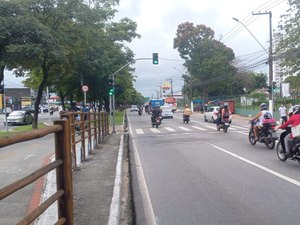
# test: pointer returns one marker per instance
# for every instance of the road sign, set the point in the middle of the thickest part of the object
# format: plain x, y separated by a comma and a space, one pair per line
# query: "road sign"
85, 88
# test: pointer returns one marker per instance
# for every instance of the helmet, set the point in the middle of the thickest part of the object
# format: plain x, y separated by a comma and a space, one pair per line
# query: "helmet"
186, 106
296, 109
263, 106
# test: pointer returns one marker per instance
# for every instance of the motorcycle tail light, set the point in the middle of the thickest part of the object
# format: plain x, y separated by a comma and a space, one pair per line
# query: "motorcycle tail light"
273, 127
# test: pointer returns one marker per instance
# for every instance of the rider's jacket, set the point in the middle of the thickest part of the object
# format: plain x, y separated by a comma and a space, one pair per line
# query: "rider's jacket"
187, 112
156, 112
294, 120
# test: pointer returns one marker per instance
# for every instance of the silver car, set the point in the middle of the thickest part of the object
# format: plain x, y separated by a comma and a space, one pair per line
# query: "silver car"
19, 117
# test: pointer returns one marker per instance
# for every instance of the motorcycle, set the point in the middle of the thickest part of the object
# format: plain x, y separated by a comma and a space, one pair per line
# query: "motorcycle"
266, 134
225, 124
294, 153
186, 118
156, 121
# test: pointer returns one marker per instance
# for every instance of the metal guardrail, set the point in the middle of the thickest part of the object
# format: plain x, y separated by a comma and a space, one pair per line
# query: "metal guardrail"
93, 126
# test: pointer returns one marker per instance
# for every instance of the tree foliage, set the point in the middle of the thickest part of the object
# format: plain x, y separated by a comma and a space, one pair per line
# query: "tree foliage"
288, 39
65, 44
208, 61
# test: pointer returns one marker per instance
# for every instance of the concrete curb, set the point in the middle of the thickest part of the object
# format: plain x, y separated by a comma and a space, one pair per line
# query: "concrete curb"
114, 215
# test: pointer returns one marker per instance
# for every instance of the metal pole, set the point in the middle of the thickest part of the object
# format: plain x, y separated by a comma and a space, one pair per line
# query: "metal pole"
114, 106
270, 59
4, 101
84, 95
110, 110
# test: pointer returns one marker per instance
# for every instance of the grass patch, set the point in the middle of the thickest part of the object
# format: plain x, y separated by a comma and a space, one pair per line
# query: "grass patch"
119, 118
19, 129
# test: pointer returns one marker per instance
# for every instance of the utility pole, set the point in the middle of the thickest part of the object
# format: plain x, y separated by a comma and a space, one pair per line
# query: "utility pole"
270, 60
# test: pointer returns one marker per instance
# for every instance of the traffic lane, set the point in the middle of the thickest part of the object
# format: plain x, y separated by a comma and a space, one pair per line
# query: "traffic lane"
18, 161
199, 185
236, 139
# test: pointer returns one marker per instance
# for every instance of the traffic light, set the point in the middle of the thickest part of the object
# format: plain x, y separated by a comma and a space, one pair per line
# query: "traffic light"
110, 82
269, 89
111, 91
155, 58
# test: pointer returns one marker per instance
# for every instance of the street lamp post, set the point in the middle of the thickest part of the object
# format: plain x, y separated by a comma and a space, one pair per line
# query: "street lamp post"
270, 58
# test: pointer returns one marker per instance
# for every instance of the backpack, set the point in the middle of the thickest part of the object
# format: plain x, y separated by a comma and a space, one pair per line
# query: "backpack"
267, 115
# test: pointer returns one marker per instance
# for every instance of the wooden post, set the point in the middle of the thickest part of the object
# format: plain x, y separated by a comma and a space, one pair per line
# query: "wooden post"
89, 132
95, 127
99, 127
64, 180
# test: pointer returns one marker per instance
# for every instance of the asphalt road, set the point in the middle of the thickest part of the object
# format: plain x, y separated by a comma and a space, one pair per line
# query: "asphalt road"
194, 174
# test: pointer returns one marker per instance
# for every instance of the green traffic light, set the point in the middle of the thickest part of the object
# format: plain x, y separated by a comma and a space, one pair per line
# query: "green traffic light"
111, 91
155, 58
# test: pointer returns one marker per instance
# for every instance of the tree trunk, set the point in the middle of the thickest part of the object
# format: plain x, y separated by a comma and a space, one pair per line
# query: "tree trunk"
40, 95
2, 67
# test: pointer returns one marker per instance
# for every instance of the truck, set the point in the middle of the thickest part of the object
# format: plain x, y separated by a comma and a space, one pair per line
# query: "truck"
156, 102
172, 102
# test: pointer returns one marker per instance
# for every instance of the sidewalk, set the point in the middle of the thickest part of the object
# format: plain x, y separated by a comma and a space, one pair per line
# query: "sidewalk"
97, 185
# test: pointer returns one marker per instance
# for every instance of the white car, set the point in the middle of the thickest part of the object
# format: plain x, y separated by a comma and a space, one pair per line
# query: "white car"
19, 117
166, 111
134, 108
211, 114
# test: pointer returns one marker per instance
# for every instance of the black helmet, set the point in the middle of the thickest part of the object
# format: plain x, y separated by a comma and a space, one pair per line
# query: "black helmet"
296, 109
263, 106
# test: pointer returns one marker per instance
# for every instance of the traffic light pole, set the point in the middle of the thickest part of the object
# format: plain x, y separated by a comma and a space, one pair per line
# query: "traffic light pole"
113, 104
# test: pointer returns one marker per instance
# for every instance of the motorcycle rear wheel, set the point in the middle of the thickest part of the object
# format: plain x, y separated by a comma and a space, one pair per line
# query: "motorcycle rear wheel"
251, 138
225, 129
270, 142
280, 153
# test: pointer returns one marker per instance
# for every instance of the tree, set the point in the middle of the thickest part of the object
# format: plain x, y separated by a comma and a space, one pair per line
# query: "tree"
288, 39
207, 60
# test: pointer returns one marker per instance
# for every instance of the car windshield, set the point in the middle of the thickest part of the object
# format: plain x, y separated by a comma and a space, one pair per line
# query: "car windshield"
17, 113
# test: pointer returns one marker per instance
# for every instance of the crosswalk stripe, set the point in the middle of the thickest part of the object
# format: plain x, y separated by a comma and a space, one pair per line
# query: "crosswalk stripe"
155, 130
211, 127
199, 128
170, 129
139, 131
184, 128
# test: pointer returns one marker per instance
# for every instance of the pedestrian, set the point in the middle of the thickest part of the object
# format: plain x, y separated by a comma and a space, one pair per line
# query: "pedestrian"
282, 113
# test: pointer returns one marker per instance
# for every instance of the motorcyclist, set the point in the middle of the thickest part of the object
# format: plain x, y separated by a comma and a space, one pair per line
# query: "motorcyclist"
156, 112
264, 112
225, 113
294, 120
187, 111
74, 108
219, 115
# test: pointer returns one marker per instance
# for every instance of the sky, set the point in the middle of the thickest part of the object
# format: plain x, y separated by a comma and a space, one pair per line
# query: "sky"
157, 22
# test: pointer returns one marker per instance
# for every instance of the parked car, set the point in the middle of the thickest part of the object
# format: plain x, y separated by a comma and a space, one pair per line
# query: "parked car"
211, 114
166, 111
8, 110
28, 109
134, 108
19, 117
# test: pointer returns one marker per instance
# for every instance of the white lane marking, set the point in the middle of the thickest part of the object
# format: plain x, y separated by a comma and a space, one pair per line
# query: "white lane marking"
142, 185
139, 131
199, 128
288, 179
184, 128
170, 129
243, 128
211, 127
240, 132
28, 156
155, 130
